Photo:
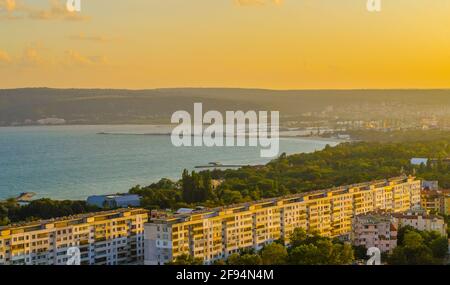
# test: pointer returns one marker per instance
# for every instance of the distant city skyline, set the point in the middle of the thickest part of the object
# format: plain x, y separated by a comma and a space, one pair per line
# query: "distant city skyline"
290, 44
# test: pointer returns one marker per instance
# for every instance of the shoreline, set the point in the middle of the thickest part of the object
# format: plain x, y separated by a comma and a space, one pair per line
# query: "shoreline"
284, 134
292, 138
316, 138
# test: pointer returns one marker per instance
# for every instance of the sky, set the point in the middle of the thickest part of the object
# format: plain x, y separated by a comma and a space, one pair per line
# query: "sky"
274, 44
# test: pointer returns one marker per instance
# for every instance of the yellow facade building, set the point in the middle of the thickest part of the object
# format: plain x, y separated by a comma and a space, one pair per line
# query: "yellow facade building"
216, 233
103, 238
436, 201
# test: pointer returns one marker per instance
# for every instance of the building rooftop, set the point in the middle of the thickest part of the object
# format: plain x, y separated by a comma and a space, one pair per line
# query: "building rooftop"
415, 216
439, 192
311, 195
374, 218
72, 220
112, 196
419, 161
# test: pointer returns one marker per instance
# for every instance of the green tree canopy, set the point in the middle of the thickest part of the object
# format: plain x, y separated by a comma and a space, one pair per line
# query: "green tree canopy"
274, 254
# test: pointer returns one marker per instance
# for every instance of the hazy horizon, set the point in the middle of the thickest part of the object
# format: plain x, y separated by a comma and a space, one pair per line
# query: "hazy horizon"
263, 44
236, 88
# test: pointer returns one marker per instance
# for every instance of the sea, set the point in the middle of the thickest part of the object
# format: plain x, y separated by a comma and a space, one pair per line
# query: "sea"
73, 162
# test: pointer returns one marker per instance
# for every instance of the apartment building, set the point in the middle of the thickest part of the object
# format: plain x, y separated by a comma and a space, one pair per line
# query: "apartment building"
216, 233
103, 238
436, 201
421, 222
375, 230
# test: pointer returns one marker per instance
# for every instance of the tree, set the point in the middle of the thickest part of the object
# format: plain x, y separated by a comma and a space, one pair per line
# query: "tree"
412, 240
185, 259
188, 187
219, 262
4, 220
439, 247
313, 249
407, 255
401, 233
298, 237
341, 254
419, 247
274, 254
245, 259
196, 187
420, 255
231, 197
398, 256
305, 254
360, 252
42, 209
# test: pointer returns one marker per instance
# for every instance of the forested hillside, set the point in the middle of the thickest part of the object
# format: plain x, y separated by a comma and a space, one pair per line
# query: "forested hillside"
115, 106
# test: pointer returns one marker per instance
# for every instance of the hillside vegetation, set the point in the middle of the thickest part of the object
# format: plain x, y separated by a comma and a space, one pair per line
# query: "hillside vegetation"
115, 106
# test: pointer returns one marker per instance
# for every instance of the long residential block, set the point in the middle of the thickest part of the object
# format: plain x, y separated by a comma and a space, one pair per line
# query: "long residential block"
103, 238
216, 233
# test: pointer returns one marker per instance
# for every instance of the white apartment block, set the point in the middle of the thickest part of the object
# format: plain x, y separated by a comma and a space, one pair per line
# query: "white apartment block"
421, 222
373, 230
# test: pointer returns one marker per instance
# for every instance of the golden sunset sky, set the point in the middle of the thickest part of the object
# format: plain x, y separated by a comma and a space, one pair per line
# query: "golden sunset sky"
290, 44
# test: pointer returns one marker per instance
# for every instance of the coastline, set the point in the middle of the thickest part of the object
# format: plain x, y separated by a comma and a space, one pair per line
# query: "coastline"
144, 175
290, 134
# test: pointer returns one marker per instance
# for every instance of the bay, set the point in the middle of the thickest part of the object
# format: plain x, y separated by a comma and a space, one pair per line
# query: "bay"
73, 162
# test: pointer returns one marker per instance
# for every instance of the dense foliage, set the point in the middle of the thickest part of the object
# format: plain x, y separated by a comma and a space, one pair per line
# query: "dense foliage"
11, 212
186, 259
447, 221
333, 166
400, 136
419, 247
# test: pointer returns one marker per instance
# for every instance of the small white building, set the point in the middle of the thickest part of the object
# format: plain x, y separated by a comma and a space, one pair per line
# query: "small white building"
184, 211
115, 200
421, 222
419, 161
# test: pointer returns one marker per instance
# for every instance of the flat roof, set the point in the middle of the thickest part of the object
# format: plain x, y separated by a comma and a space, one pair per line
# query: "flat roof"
272, 201
71, 218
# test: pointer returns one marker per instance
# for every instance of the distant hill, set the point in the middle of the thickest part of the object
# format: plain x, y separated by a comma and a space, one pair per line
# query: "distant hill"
105, 106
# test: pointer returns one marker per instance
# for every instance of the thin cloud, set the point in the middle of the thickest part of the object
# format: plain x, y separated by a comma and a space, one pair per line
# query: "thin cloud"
8, 5
92, 38
37, 56
257, 2
4, 57
31, 57
57, 11
7, 9
75, 58
15, 9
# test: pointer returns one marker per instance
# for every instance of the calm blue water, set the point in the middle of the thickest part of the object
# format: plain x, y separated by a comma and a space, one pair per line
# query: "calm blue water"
72, 162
